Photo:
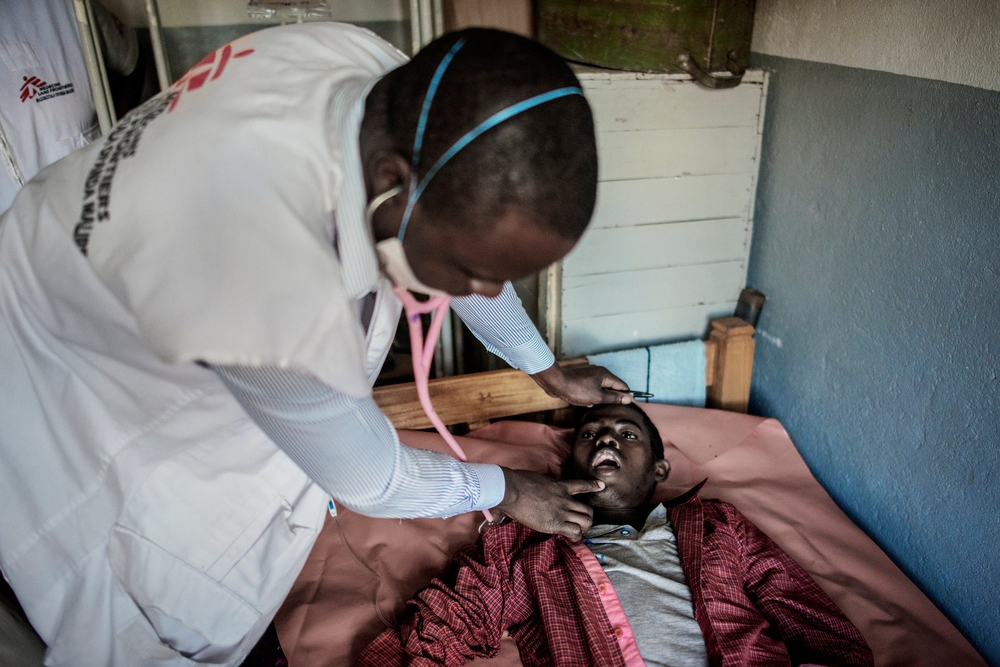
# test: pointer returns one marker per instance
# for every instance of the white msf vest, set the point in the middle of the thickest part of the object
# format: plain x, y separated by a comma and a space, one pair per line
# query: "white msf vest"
46, 107
146, 520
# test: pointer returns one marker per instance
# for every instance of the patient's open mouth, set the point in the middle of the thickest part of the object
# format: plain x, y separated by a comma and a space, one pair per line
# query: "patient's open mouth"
606, 459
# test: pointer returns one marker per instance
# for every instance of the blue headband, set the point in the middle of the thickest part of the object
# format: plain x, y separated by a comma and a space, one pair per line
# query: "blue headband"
417, 189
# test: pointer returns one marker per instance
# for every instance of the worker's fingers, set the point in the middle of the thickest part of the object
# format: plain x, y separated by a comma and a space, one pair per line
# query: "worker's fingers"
577, 486
611, 388
574, 530
623, 397
611, 381
573, 524
574, 510
583, 385
548, 505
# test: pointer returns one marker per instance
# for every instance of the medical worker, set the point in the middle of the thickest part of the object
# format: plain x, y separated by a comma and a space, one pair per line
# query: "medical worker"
193, 311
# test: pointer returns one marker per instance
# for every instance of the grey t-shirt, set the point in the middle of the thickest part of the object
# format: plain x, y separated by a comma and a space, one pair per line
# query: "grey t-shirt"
645, 569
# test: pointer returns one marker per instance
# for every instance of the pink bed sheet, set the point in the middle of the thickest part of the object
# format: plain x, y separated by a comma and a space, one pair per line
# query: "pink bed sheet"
330, 614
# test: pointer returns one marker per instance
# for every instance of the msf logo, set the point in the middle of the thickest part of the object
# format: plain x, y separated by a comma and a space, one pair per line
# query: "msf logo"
35, 89
210, 68
30, 88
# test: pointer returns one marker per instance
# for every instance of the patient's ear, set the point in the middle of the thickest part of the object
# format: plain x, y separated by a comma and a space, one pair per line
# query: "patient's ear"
661, 469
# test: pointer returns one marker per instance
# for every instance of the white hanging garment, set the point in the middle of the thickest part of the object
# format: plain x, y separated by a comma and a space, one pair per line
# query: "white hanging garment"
146, 519
46, 107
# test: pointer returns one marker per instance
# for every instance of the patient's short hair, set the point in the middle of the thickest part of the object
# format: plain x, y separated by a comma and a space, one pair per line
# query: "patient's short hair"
655, 441
544, 159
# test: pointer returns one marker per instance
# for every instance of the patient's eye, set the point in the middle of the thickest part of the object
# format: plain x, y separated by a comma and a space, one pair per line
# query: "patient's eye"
587, 434
630, 435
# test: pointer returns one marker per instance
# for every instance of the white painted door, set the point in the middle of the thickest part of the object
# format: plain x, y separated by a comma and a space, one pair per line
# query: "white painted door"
668, 246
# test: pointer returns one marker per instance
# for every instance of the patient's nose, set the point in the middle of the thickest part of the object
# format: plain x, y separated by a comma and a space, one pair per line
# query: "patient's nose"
607, 437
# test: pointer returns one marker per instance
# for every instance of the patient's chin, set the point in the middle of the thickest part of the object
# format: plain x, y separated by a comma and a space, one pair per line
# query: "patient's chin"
609, 499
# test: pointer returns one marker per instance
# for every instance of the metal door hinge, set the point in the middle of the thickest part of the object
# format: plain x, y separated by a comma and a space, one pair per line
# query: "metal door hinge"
687, 63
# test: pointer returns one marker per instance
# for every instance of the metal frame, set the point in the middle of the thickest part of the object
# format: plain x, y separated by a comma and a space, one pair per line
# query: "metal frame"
156, 39
94, 60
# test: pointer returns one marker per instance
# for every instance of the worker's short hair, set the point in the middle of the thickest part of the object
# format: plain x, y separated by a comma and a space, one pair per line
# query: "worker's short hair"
655, 441
544, 159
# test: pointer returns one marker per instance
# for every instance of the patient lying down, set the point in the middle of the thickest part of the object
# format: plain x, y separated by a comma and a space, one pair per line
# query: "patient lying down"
688, 582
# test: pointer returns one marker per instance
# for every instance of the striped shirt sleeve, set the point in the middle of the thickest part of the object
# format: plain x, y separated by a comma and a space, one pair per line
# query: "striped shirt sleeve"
505, 329
348, 447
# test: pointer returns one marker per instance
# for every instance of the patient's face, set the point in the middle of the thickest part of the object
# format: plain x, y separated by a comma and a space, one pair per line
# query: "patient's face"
612, 445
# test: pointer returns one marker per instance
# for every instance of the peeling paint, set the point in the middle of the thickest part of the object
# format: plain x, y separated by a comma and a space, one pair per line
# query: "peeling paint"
773, 340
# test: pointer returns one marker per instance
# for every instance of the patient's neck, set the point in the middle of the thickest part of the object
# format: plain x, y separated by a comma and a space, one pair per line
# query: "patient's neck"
623, 516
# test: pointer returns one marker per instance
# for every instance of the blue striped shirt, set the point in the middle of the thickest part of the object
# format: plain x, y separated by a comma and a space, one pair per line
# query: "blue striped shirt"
505, 329
348, 447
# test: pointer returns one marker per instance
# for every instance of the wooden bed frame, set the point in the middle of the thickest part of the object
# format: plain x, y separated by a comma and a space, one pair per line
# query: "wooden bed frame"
477, 398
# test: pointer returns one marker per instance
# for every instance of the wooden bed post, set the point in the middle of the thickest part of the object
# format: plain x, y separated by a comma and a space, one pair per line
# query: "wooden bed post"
729, 388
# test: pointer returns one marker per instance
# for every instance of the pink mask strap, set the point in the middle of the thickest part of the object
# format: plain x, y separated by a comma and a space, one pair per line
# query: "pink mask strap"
423, 355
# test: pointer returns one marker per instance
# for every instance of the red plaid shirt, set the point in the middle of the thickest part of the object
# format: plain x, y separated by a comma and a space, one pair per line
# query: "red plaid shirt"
754, 604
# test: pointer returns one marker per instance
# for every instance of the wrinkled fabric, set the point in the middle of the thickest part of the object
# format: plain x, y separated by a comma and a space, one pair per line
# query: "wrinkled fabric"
47, 108
330, 615
754, 604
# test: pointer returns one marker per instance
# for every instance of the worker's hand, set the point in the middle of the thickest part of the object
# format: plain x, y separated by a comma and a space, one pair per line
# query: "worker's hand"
548, 505
583, 385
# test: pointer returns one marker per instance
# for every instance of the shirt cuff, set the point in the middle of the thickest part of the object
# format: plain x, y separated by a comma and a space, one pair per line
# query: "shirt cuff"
531, 357
492, 485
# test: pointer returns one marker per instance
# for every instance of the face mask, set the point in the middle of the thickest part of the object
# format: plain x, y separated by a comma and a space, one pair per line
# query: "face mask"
393, 259
391, 256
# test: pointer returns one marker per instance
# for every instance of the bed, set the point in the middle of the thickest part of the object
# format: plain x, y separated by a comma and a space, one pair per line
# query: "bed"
362, 570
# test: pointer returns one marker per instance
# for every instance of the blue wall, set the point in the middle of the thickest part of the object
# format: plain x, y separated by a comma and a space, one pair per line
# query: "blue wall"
877, 242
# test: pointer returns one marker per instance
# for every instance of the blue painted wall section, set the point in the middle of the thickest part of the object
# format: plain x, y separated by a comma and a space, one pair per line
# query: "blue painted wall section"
877, 242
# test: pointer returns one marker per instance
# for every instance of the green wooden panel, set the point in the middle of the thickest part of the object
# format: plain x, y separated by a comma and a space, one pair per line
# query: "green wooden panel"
733, 32
646, 35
